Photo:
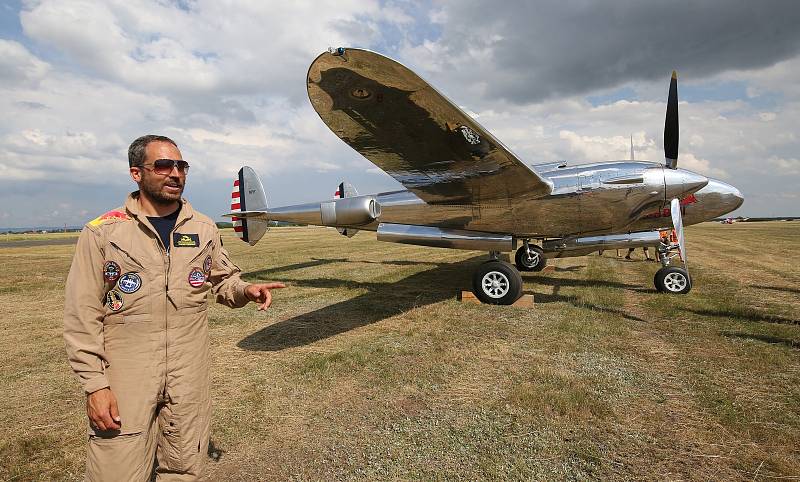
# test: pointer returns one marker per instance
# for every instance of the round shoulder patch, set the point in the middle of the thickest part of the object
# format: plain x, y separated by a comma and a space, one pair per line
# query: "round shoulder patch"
111, 272
129, 283
197, 277
114, 300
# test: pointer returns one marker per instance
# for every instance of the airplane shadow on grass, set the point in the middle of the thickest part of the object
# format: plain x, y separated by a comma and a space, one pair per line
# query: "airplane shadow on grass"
254, 275
386, 299
382, 300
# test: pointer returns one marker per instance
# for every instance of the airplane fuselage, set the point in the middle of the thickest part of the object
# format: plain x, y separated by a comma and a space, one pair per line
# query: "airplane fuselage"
587, 199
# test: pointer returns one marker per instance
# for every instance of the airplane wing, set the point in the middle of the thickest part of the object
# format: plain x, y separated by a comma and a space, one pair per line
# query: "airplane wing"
407, 128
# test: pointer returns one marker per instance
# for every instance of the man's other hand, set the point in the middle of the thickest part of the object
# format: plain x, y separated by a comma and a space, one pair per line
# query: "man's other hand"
101, 408
260, 294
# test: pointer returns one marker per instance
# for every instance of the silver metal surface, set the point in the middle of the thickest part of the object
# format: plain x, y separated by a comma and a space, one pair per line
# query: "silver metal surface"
443, 238
567, 247
466, 190
407, 128
677, 222
351, 211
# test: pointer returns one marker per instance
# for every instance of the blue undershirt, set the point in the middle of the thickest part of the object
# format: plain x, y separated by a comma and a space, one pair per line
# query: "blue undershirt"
164, 225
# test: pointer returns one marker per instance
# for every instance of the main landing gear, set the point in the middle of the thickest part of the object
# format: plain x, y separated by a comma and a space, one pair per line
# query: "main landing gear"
530, 257
497, 282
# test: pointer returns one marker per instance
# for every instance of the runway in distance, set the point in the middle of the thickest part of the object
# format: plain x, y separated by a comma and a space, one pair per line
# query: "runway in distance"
466, 190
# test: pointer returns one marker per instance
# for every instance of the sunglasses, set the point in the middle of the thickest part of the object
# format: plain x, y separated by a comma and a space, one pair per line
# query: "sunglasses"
164, 167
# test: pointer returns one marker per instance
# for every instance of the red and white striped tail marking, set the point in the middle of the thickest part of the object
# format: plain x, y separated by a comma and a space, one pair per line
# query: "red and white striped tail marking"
236, 205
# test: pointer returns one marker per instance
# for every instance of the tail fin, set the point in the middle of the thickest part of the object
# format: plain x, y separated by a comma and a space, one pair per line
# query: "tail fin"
248, 195
343, 190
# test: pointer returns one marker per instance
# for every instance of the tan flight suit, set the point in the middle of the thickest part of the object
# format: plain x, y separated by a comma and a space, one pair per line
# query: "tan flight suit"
135, 321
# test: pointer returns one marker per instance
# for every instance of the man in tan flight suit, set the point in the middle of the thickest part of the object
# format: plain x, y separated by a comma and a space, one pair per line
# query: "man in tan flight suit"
135, 323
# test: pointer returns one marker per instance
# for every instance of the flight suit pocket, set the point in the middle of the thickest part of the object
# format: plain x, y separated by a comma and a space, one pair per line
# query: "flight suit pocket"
177, 451
172, 455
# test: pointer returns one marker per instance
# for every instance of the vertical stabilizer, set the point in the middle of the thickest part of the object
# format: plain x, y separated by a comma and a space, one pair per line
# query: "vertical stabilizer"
248, 195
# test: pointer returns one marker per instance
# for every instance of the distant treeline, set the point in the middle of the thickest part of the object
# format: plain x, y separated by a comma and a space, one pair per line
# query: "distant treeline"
742, 219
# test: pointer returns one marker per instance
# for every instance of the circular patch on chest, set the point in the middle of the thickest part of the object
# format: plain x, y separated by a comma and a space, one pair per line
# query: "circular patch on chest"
130, 283
111, 272
197, 277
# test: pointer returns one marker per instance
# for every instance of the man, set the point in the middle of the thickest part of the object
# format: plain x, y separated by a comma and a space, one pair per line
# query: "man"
135, 322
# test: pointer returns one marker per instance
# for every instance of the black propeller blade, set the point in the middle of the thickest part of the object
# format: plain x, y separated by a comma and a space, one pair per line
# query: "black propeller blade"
671, 124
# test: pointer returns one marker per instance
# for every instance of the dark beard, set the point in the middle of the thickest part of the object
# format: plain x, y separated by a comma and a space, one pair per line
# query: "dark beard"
156, 196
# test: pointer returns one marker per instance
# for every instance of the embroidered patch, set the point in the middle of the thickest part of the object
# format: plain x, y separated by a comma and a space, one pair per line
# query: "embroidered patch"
130, 283
107, 217
207, 266
197, 278
185, 240
470, 135
111, 272
114, 300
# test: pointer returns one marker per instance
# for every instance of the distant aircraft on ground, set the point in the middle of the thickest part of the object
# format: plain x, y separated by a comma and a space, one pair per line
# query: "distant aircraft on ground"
466, 190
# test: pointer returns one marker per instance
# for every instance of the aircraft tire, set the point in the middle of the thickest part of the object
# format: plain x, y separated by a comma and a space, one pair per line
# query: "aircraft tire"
672, 280
533, 261
497, 283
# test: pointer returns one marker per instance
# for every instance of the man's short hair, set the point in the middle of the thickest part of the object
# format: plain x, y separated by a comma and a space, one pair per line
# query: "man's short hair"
136, 152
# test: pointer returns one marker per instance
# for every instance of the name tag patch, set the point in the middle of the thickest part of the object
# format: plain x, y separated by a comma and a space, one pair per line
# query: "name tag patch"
182, 240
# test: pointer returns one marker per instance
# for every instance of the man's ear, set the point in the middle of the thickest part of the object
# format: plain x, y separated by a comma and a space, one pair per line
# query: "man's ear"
136, 174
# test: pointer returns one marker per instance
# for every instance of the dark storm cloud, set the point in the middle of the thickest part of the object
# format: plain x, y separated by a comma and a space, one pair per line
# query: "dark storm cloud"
544, 49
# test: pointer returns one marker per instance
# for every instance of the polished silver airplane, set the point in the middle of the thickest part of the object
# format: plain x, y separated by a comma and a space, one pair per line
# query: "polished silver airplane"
466, 190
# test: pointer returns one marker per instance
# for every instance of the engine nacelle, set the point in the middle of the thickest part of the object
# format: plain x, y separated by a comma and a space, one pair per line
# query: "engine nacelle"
351, 211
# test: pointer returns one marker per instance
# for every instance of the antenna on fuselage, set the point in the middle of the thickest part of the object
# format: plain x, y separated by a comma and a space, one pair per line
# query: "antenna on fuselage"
633, 158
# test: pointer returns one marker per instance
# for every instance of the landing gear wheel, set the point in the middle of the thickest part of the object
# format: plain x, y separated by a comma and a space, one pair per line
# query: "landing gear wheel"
672, 279
497, 283
531, 259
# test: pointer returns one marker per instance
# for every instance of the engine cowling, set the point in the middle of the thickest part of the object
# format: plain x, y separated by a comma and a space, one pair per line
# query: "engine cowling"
351, 211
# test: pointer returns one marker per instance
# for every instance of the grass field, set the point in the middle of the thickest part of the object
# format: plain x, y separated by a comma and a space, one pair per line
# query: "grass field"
368, 368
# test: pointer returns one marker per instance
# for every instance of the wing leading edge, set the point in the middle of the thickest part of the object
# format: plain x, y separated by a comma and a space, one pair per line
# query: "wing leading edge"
391, 116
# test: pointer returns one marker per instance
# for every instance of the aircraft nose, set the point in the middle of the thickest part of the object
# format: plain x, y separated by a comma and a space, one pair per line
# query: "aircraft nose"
679, 182
735, 198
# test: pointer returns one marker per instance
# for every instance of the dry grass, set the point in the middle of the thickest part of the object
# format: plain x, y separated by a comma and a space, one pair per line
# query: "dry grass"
367, 367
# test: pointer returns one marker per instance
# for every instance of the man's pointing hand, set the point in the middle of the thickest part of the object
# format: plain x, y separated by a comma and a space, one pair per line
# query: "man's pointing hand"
260, 294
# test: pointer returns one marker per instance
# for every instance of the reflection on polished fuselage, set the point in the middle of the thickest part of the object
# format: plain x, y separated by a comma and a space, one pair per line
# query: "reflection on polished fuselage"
587, 199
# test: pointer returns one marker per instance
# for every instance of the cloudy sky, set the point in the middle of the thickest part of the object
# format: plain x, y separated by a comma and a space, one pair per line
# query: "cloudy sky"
568, 80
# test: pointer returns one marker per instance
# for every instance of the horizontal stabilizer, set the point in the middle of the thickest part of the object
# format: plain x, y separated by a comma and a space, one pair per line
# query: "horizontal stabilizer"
247, 214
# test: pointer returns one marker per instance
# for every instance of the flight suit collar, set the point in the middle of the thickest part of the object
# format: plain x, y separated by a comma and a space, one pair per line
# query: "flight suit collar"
134, 210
